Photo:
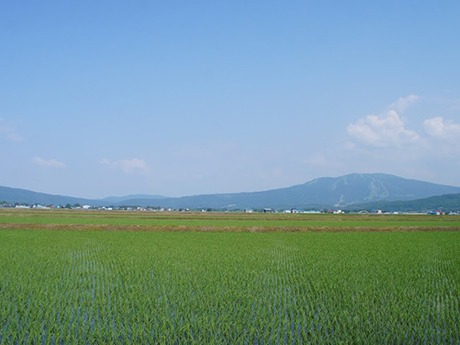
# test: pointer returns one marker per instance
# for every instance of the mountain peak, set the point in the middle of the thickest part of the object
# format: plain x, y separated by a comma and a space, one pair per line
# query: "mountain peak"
325, 192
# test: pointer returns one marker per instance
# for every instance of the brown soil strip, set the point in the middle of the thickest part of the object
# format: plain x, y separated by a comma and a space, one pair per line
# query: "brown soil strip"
167, 228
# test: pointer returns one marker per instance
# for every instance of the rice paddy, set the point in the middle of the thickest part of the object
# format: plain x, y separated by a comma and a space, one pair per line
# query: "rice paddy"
251, 279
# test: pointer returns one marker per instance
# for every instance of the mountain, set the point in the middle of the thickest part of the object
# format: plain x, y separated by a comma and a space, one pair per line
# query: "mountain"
445, 203
323, 192
24, 196
121, 199
326, 192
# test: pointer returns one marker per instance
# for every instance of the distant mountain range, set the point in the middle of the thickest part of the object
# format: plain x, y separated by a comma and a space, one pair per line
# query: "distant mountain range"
444, 203
350, 191
24, 196
118, 199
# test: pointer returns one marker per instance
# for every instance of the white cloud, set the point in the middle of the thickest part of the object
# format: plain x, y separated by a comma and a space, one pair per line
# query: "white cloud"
8, 131
382, 131
49, 163
317, 159
439, 128
403, 103
128, 166
385, 143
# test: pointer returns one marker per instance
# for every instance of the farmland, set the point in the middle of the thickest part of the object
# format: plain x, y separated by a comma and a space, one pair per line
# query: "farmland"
133, 277
198, 221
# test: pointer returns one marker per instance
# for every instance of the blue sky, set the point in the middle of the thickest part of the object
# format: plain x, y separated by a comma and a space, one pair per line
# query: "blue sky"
103, 98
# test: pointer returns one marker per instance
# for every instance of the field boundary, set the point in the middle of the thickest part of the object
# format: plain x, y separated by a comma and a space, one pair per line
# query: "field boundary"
205, 228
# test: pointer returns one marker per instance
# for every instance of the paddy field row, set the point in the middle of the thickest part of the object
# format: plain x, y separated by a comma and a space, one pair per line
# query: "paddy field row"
227, 287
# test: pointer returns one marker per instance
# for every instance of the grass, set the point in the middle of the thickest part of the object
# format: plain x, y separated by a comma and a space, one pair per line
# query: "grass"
226, 287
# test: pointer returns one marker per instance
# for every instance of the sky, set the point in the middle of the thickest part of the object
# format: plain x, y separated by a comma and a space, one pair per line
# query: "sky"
102, 98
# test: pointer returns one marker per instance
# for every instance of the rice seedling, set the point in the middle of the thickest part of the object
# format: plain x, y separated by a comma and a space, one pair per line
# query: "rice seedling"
63, 287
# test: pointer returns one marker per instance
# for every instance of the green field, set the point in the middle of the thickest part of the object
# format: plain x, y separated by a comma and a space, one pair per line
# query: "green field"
237, 221
236, 279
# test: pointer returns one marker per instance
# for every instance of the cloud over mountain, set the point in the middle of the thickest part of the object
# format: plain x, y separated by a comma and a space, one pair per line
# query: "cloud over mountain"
390, 129
49, 163
128, 166
403, 103
385, 130
8, 131
440, 128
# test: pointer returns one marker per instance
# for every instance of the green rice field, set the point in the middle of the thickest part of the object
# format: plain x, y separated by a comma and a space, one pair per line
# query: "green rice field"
74, 277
